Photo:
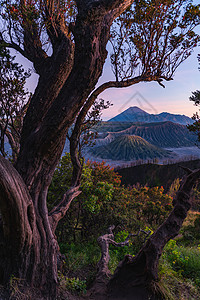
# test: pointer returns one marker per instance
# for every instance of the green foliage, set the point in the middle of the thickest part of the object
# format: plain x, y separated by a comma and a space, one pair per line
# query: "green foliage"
95, 196
178, 270
13, 96
191, 231
31, 15
172, 285
81, 259
103, 202
195, 127
184, 260
74, 285
89, 211
119, 252
174, 187
195, 198
79, 255
151, 205
12, 84
62, 179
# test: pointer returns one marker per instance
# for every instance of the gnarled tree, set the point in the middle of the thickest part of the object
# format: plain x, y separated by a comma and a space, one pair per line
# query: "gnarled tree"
66, 42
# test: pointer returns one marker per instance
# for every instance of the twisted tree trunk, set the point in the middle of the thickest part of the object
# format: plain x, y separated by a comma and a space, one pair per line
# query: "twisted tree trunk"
66, 89
28, 246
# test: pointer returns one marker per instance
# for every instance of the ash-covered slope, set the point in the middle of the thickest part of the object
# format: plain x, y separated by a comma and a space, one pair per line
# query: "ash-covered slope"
128, 147
163, 134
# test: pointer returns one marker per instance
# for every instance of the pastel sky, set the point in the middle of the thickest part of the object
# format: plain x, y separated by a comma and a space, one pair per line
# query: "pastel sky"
151, 97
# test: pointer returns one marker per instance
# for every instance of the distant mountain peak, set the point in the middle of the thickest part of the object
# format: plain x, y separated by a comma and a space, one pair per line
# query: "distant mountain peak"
135, 110
135, 114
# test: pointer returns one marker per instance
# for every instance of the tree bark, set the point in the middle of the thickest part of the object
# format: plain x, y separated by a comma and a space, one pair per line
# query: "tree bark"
17, 219
50, 114
28, 249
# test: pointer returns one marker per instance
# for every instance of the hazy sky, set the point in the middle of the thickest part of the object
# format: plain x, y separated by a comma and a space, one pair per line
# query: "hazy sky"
149, 96
153, 98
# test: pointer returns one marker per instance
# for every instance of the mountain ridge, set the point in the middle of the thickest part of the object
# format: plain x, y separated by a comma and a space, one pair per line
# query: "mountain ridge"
160, 134
136, 114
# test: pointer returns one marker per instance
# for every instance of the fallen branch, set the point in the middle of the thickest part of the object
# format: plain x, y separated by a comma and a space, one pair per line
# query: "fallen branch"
99, 289
104, 241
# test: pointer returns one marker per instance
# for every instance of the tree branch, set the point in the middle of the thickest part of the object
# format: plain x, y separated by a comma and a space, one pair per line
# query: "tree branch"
60, 210
32, 43
119, 7
57, 29
13, 45
187, 170
112, 84
103, 273
128, 82
104, 241
12, 141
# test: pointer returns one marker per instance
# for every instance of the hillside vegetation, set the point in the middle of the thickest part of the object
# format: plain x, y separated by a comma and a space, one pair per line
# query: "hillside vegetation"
112, 126
105, 201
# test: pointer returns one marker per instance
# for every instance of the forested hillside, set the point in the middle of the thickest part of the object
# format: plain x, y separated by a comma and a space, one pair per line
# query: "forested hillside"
154, 174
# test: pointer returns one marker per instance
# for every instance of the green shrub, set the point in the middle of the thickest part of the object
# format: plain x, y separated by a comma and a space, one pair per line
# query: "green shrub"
74, 285
184, 260
191, 230
103, 202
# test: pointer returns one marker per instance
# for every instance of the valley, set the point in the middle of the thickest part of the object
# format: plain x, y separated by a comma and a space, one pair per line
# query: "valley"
127, 142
